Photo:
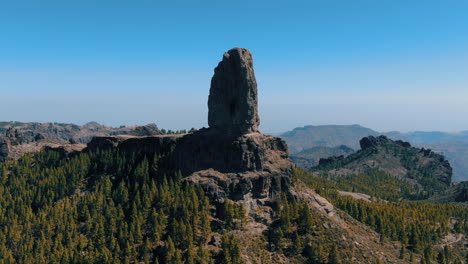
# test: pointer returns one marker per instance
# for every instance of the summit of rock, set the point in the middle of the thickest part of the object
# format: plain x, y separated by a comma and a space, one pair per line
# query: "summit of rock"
233, 99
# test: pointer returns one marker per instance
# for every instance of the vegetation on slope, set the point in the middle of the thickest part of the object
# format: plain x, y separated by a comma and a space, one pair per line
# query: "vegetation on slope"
109, 207
374, 183
105, 207
418, 226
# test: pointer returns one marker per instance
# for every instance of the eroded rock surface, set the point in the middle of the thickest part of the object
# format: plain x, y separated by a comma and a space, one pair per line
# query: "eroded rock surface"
210, 148
226, 166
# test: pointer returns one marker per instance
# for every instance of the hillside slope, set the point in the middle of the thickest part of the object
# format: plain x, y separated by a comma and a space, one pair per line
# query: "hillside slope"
123, 209
454, 146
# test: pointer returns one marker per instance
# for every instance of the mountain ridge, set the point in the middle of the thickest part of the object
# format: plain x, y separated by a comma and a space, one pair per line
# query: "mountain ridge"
426, 171
454, 148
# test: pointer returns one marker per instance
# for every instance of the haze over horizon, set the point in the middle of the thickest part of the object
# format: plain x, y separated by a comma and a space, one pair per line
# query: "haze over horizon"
387, 65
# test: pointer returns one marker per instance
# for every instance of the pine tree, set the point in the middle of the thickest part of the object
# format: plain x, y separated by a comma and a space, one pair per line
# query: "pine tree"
402, 251
231, 250
190, 255
171, 252
333, 257
441, 258
203, 256
121, 195
427, 255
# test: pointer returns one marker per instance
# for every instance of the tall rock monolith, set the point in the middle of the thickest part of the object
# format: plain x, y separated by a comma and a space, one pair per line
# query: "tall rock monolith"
233, 99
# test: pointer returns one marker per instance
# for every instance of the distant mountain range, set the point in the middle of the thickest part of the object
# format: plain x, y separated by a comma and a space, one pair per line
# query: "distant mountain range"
429, 137
33, 131
306, 137
454, 146
310, 157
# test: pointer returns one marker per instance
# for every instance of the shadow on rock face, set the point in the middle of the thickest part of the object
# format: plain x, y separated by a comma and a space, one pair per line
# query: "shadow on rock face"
225, 152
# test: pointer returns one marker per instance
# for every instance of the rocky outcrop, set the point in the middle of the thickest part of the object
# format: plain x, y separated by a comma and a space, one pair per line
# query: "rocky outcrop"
233, 99
17, 137
210, 148
252, 165
241, 186
146, 130
14, 139
423, 168
373, 142
231, 158
16, 142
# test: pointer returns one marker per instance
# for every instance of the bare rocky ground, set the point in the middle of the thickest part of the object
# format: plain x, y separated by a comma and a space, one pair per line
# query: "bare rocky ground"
359, 196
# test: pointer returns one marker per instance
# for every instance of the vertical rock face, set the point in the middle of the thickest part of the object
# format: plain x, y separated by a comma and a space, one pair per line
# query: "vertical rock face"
233, 100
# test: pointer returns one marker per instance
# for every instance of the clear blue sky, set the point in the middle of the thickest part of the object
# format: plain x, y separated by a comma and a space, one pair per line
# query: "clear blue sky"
387, 64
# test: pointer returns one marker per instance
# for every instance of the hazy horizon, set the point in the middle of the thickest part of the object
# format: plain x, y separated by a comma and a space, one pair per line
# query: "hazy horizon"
274, 119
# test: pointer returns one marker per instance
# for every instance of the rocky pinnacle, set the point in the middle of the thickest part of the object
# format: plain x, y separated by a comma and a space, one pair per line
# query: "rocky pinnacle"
233, 100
